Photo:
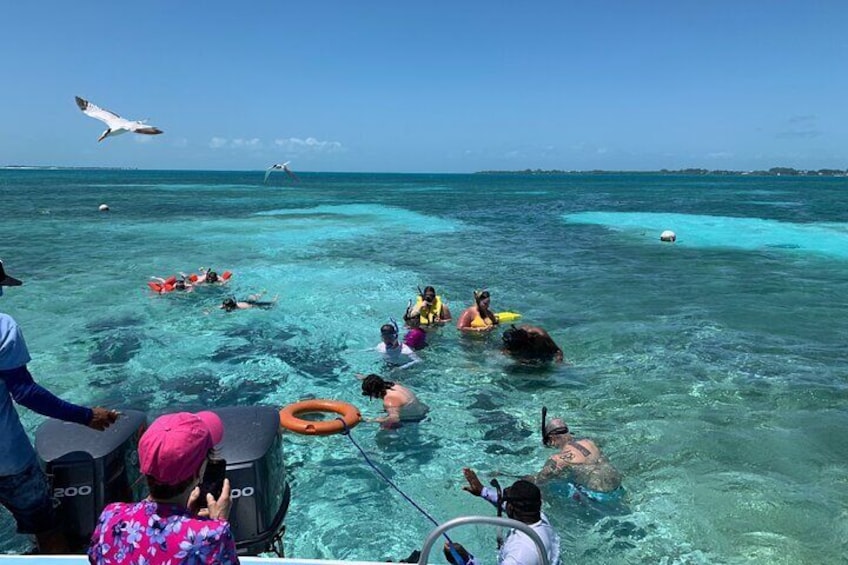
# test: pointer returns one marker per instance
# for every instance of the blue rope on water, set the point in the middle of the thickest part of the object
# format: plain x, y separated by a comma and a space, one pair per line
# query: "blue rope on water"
346, 432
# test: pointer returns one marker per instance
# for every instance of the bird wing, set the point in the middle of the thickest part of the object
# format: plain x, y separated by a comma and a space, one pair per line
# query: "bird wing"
149, 130
268, 172
289, 172
99, 113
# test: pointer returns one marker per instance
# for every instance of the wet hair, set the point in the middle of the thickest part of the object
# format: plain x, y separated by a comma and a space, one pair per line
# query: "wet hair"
480, 295
229, 304
516, 339
526, 345
429, 290
180, 284
374, 386
211, 276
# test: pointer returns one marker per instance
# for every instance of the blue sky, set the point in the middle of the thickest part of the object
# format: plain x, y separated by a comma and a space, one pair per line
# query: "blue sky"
429, 86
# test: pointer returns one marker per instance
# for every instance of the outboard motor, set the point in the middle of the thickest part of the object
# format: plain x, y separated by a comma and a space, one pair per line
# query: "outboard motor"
252, 448
89, 469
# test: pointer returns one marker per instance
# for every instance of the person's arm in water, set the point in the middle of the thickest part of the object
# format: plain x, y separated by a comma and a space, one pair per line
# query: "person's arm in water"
413, 358
27, 392
445, 314
392, 417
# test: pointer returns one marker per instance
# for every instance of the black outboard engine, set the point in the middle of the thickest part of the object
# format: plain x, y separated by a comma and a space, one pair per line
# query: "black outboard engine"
252, 447
89, 469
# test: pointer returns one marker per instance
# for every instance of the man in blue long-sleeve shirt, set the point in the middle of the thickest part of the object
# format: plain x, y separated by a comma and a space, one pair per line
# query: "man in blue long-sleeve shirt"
24, 489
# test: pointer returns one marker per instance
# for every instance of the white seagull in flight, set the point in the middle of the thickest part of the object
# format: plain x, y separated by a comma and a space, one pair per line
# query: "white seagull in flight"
115, 124
280, 167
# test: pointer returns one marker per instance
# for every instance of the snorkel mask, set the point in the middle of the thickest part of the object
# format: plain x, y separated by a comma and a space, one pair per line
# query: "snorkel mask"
394, 333
546, 435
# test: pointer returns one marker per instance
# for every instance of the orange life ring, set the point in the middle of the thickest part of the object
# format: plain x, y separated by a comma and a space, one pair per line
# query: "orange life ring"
289, 417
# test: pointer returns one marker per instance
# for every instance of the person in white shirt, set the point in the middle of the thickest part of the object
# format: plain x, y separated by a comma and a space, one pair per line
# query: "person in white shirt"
523, 502
394, 353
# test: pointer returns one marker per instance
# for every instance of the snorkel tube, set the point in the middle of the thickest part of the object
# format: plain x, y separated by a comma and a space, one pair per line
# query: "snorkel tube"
545, 438
497, 485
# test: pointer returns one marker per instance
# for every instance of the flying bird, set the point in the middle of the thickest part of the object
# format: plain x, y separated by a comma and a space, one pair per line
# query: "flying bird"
115, 124
280, 167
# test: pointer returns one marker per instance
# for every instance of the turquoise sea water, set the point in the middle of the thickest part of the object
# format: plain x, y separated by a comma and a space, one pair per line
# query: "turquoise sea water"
712, 371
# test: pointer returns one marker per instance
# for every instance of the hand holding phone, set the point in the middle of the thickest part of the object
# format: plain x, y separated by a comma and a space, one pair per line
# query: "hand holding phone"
212, 481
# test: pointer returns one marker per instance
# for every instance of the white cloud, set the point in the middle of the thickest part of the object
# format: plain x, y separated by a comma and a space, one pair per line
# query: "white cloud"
253, 143
237, 143
310, 145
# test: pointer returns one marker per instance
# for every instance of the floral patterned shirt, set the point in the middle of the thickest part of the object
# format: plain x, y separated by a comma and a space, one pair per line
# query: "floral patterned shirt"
150, 533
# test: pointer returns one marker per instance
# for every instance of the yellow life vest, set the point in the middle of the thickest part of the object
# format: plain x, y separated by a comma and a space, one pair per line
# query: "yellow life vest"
429, 314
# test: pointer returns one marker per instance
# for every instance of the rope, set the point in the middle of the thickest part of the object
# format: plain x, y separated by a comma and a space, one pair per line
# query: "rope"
346, 432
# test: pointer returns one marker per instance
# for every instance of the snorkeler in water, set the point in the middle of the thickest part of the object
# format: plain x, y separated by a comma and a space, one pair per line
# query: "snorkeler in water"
580, 461
395, 353
478, 317
530, 344
230, 304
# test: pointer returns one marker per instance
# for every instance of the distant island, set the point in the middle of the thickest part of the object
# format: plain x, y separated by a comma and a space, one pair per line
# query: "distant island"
56, 168
773, 172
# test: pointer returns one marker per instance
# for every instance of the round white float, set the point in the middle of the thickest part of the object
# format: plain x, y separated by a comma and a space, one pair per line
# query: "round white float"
668, 235
104, 208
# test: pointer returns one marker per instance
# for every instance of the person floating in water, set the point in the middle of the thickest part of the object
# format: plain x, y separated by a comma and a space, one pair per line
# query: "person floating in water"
395, 353
531, 344
478, 317
580, 461
208, 276
429, 309
230, 304
400, 403
181, 284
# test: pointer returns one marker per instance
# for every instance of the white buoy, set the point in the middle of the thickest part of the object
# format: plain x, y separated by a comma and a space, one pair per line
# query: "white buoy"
668, 235
104, 208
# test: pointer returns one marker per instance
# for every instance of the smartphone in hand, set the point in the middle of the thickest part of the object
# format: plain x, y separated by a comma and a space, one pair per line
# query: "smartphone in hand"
213, 480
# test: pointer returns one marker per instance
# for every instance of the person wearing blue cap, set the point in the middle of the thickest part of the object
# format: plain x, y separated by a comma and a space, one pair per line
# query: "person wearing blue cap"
24, 489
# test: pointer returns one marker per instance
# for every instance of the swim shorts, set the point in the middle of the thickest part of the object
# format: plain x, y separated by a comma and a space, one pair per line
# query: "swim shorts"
27, 496
579, 491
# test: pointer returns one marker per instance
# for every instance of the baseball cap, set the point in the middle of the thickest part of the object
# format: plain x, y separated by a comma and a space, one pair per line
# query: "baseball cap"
6, 280
174, 447
524, 495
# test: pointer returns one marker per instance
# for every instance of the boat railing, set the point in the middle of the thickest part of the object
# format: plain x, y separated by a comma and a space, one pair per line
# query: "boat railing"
488, 520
